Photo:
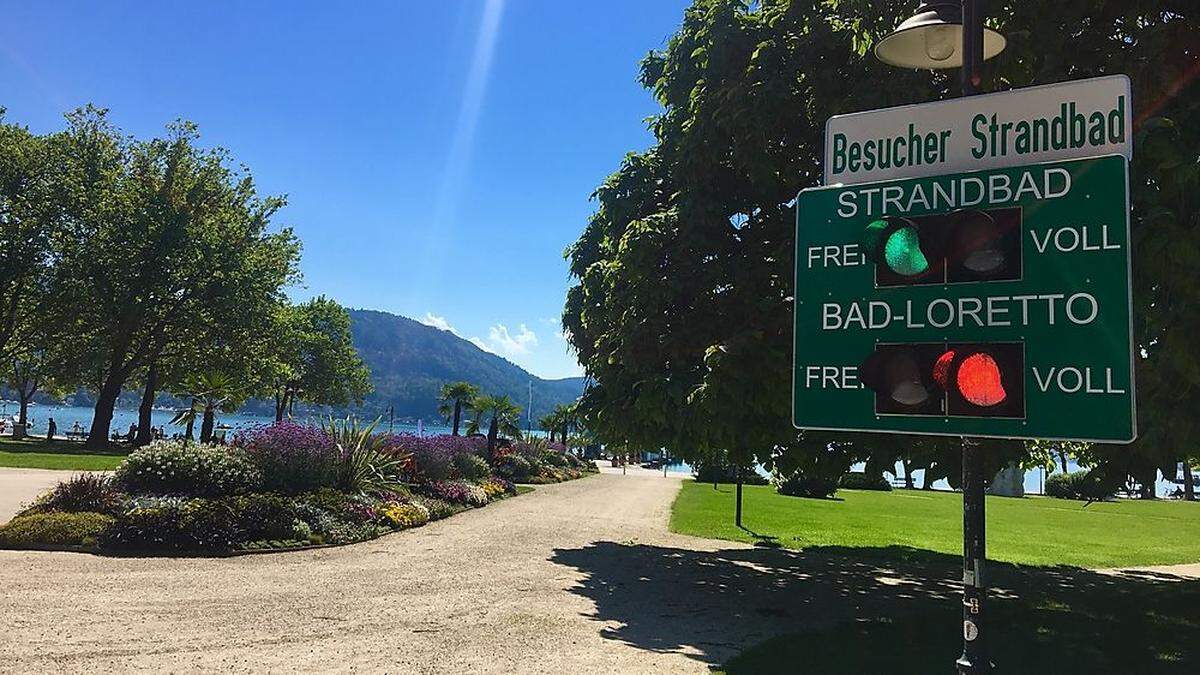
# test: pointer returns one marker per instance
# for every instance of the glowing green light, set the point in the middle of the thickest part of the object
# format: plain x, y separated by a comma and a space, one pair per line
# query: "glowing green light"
903, 254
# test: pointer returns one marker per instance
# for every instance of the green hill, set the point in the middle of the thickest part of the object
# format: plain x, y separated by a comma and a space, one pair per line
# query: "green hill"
410, 361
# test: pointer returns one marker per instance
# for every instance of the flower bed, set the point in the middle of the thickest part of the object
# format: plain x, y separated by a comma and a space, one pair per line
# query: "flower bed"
278, 487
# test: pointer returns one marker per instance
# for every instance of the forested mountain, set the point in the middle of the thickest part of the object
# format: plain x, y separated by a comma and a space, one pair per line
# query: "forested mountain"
410, 361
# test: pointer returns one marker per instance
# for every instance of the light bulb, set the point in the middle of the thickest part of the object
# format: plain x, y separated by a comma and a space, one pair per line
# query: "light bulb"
939, 42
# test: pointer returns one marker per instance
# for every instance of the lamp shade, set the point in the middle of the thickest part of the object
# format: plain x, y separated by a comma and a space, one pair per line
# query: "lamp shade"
932, 38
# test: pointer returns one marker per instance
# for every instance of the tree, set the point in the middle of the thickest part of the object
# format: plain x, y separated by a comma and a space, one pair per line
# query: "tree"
28, 221
162, 238
681, 309
502, 417
550, 423
213, 390
313, 358
33, 372
455, 398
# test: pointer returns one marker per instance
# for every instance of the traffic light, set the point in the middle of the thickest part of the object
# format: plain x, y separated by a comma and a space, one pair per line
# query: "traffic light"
956, 380
983, 245
983, 379
961, 246
902, 377
906, 251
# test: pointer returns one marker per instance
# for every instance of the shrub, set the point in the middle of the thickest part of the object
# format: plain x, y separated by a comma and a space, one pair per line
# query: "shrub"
458, 492
173, 524
471, 467
366, 463
55, 529
402, 515
178, 524
1083, 485
718, 470
437, 508
497, 488
436, 457
514, 467
553, 458
171, 467
262, 516
82, 493
292, 458
856, 480
799, 485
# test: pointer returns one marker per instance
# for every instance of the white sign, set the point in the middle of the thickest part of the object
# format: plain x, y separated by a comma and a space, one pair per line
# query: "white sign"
1068, 120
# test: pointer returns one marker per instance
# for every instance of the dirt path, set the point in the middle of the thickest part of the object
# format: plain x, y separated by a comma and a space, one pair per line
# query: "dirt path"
515, 587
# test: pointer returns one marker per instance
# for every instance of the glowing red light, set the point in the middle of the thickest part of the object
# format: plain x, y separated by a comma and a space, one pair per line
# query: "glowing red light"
941, 369
979, 380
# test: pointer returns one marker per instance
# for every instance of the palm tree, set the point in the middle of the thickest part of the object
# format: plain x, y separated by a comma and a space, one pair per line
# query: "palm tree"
210, 390
503, 416
455, 398
566, 416
550, 422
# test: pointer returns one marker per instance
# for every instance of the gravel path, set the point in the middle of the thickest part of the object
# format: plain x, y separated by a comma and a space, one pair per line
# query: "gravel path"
526, 585
19, 487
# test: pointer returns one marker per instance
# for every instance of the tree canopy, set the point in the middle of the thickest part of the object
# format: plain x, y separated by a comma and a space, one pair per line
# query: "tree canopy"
682, 307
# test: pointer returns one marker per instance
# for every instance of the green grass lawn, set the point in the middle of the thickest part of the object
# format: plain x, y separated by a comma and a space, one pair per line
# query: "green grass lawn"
33, 453
1047, 615
1029, 531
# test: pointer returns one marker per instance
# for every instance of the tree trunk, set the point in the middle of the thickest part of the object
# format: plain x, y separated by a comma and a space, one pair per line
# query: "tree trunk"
927, 478
191, 423
493, 431
102, 416
552, 432
1147, 484
908, 478
1189, 489
1062, 458
24, 398
280, 405
145, 431
457, 416
206, 427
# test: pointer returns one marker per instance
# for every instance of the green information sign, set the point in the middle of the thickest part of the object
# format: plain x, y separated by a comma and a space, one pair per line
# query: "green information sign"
993, 303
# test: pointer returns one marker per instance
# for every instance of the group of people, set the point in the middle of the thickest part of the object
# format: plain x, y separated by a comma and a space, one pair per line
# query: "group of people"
156, 433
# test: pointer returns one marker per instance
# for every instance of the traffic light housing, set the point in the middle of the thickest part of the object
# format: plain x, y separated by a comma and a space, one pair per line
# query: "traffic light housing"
983, 379
952, 380
902, 377
963, 246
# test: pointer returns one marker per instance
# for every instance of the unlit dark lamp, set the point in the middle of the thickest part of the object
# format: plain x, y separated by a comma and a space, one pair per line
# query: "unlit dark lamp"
932, 38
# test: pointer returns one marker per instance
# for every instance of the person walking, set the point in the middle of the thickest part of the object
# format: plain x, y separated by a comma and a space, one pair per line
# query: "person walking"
51, 429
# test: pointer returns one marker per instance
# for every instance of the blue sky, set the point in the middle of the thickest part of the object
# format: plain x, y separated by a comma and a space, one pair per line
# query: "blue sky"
437, 157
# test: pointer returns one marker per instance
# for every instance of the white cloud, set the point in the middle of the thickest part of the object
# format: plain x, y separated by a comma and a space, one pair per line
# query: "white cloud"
438, 322
502, 341
478, 342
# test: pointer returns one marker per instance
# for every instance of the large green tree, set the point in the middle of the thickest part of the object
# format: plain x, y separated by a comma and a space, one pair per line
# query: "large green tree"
29, 219
313, 359
162, 240
682, 308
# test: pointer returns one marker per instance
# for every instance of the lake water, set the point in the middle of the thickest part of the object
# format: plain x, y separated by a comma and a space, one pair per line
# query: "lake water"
66, 416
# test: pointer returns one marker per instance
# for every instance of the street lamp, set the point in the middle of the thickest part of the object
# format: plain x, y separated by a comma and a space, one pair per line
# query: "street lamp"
932, 39
952, 35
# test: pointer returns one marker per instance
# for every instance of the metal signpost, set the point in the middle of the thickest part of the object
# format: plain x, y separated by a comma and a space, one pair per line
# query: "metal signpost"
966, 269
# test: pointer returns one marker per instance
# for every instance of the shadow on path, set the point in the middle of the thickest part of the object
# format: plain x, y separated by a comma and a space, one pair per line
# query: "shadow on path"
896, 608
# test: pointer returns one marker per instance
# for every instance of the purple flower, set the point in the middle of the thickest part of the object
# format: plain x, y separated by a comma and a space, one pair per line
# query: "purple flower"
292, 457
